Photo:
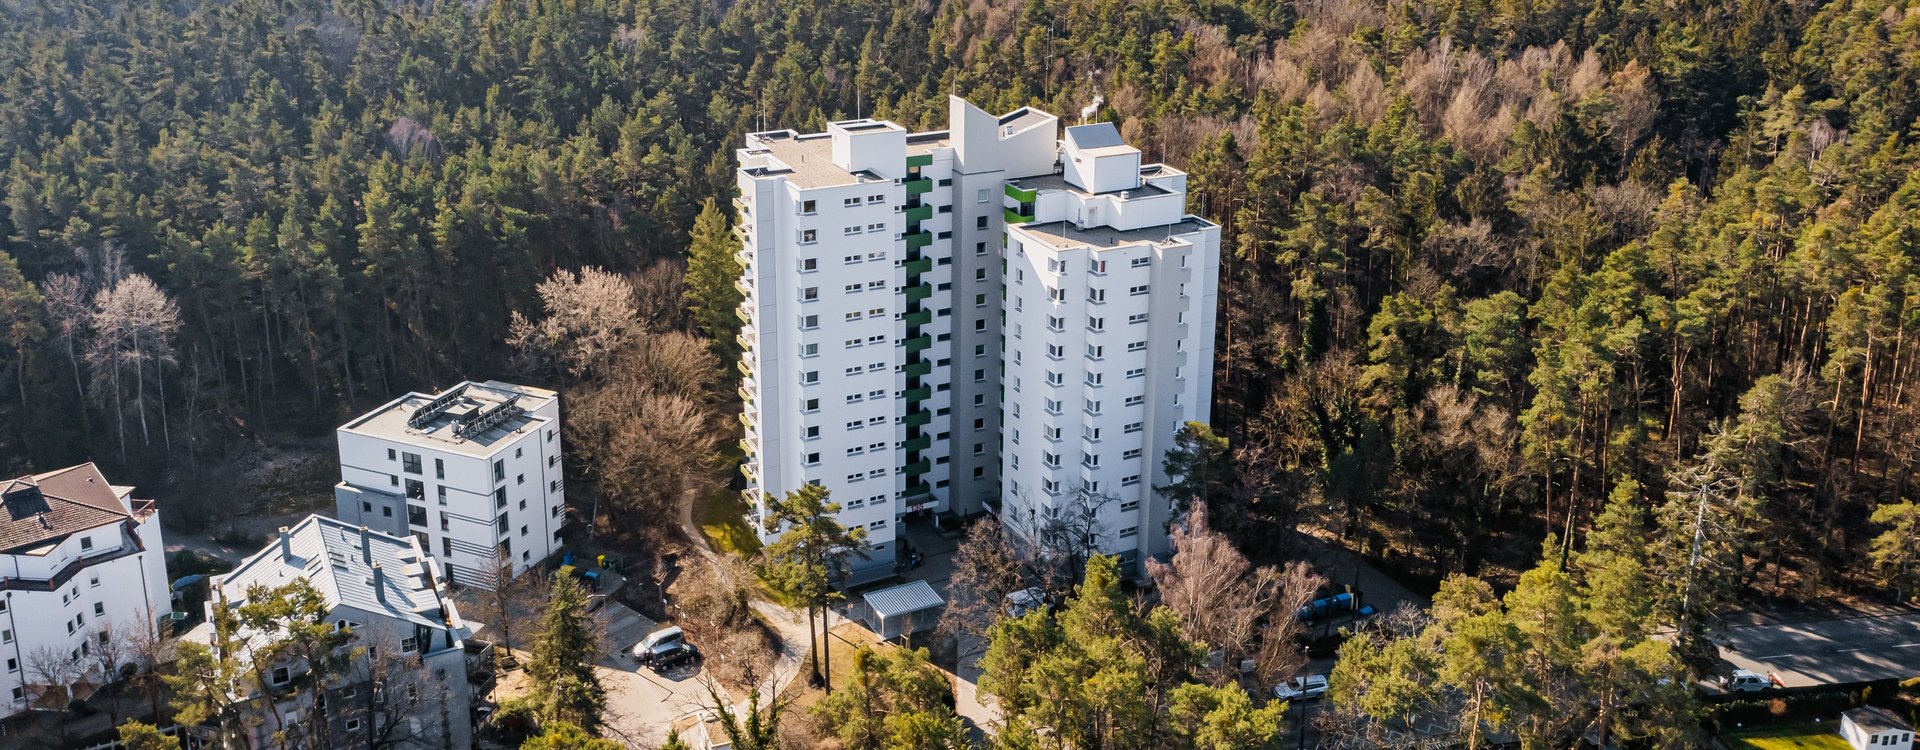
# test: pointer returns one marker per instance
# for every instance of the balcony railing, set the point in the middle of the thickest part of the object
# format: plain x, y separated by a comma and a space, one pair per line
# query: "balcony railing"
916, 187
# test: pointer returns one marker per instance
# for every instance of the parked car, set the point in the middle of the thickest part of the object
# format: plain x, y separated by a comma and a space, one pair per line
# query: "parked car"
1019, 603
1302, 688
664, 648
1745, 681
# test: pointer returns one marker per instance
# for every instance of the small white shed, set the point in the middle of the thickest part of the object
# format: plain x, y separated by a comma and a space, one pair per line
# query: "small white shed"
1868, 728
903, 610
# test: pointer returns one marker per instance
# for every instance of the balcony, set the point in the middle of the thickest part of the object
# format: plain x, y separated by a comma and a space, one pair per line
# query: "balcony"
916, 187
919, 318
919, 213
918, 444
1015, 217
919, 292
920, 160
918, 418
919, 369
917, 468
919, 240
918, 492
744, 287
918, 394
918, 343
1023, 196
922, 265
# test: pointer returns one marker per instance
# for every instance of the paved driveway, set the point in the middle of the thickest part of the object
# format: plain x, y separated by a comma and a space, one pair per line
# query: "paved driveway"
1834, 647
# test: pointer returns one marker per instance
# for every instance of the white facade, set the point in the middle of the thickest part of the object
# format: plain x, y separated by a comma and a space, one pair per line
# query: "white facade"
407, 683
1868, 727
82, 564
474, 472
883, 335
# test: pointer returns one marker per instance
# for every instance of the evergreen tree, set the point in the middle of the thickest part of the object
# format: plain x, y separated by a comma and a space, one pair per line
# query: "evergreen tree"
565, 687
712, 271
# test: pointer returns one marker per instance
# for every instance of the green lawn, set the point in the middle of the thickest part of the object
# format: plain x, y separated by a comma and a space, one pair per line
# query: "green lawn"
722, 518
1805, 737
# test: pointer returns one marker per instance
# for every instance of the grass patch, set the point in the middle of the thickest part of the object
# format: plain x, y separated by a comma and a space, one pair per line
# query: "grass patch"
721, 515
1802, 737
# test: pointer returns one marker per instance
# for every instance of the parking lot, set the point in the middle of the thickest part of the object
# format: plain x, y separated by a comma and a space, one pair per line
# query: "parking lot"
1826, 646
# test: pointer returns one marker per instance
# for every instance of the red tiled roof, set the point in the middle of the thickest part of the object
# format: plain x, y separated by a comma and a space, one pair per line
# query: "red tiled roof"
46, 507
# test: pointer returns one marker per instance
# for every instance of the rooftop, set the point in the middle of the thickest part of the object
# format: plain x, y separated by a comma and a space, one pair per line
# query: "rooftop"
1062, 234
1023, 118
1876, 720
470, 418
40, 510
809, 159
338, 559
1098, 139
1047, 182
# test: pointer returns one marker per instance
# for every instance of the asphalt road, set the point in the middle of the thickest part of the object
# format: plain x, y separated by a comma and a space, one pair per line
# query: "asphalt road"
1842, 647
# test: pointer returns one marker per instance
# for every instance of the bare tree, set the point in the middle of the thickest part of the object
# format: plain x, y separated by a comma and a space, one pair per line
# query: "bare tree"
713, 608
1069, 534
1246, 612
590, 315
986, 568
55, 670
69, 312
398, 700
659, 294
147, 651
134, 323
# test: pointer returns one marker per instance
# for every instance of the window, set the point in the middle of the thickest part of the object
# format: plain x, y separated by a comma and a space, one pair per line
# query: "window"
807, 207
440, 465
519, 479
1096, 324
1129, 531
96, 580
980, 196
1137, 372
1136, 346
809, 236
1090, 460
6, 636
390, 454
1131, 454
979, 248
1096, 295
979, 472
876, 199
1057, 295
980, 222
500, 471
1132, 428
1140, 262
809, 322
812, 404
1054, 378
852, 230
1094, 378
1095, 352
353, 725
281, 675
1130, 504
1137, 290
13, 665
810, 294
979, 424
979, 274
1052, 460
850, 202
366, 507
810, 377
813, 431
1136, 400
410, 463
809, 265
980, 325
809, 350
813, 459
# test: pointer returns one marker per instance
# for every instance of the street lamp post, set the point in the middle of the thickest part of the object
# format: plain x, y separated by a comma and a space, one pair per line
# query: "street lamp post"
1306, 652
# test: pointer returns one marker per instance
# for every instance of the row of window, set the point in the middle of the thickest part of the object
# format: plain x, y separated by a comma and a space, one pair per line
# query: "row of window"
810, 207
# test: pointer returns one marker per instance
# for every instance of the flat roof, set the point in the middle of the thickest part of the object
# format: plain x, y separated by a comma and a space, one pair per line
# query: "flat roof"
1063, 234
454, 411
1048, 182
903, 599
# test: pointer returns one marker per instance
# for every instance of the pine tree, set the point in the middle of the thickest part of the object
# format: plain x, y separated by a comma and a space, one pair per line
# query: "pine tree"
565, 686
712, 271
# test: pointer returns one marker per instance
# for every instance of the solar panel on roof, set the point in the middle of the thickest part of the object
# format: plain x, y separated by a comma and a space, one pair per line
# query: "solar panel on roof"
1097, 135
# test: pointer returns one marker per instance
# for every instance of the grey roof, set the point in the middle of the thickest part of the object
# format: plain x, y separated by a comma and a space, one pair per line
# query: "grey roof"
332, 556
903, 599
1096, 135
1025, 117
1876, 720
393, 420
1063, 234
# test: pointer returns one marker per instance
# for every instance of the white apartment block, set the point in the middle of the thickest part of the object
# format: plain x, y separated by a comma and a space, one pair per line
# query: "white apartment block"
931, 317
81, 565
406, 685
474, 472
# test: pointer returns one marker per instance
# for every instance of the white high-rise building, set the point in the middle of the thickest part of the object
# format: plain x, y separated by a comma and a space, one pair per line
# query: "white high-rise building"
474, 472
931, 319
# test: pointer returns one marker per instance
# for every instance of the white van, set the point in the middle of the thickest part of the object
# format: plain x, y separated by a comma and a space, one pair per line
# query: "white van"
1745, 681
